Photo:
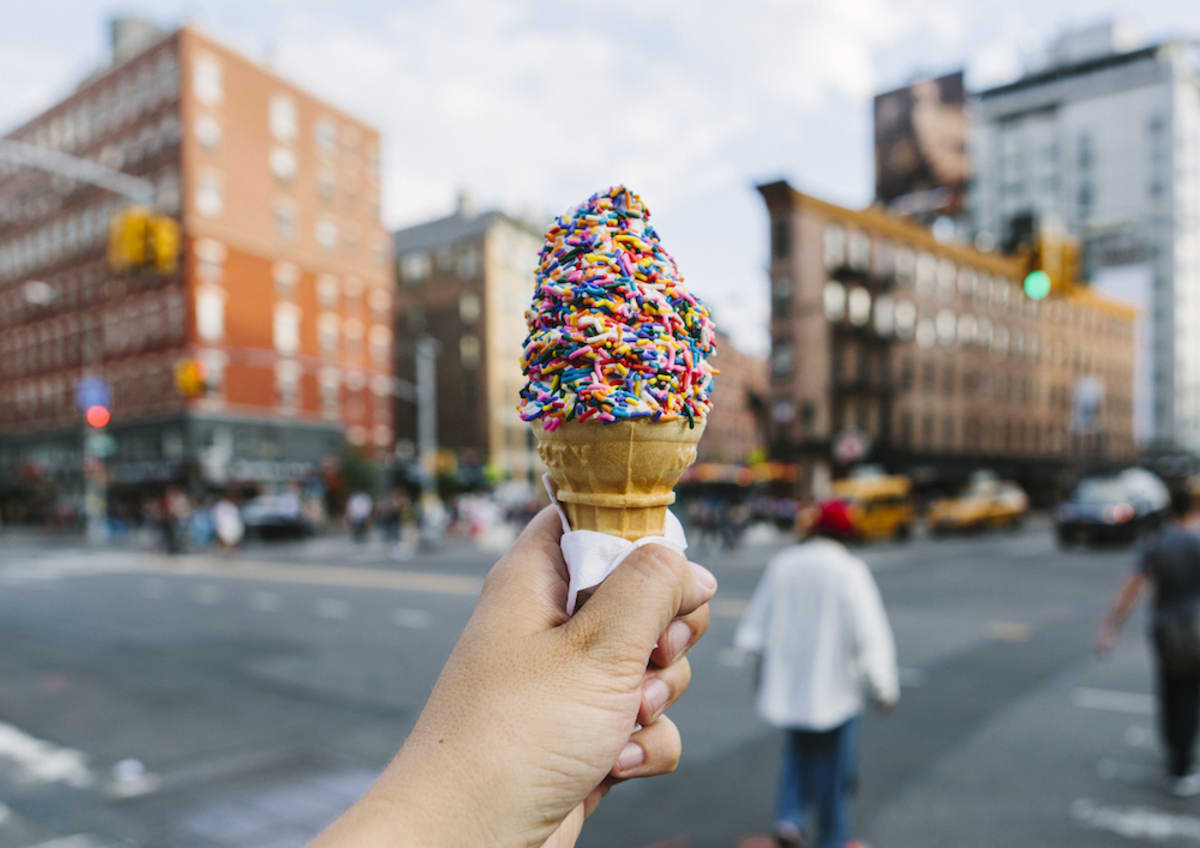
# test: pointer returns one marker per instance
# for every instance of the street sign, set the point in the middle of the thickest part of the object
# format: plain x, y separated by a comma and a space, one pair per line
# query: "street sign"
851, 446
92, 391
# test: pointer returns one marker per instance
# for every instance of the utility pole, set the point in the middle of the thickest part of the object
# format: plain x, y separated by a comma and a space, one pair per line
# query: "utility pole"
426, 391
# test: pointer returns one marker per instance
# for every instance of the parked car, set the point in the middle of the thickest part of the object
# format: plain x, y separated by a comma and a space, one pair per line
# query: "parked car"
276, 517
1118, 508
983, 505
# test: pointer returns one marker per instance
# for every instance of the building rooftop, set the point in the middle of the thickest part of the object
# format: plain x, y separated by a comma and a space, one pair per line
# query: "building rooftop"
1073, 69
460, 226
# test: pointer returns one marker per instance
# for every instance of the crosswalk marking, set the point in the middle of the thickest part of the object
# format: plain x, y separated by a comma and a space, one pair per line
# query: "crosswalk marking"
262, 601
415, 619
334, 608
1134, 703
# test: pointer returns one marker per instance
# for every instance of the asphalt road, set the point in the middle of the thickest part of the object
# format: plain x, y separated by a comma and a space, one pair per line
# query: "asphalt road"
203, 702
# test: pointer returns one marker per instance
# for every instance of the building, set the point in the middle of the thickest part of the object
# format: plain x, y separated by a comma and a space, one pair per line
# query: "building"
283, 291
888, 344
736, 431
1105, 138
466, 280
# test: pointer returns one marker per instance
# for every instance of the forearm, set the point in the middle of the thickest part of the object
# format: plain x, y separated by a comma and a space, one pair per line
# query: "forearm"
1125, 602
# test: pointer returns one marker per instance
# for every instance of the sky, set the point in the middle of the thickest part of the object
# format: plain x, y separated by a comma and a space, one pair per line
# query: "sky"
531, 106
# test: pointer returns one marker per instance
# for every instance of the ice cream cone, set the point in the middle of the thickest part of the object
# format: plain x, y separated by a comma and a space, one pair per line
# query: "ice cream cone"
618, 478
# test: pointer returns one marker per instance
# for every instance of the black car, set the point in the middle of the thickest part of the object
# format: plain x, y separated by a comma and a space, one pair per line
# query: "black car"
1119, 508
276, 517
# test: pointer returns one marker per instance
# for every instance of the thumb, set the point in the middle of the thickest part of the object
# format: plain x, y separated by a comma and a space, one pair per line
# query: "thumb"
631, 609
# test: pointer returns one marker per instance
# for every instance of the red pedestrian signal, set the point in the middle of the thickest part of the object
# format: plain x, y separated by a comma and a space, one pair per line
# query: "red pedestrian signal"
98, 416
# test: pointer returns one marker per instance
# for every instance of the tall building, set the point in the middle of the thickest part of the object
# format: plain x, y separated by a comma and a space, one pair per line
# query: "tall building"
283, 291
465, 280
1105, 139
888, 344
736, 428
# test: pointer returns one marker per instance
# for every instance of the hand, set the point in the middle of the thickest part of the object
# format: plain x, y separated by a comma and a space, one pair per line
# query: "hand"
886, 707
532, 719
1106, 641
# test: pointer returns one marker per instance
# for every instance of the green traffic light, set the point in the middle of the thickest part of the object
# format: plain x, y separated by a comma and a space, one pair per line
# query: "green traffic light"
1037, 285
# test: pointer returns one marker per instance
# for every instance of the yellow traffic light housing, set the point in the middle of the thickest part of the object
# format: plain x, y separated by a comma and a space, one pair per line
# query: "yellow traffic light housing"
127, 238
164, 243
190, 378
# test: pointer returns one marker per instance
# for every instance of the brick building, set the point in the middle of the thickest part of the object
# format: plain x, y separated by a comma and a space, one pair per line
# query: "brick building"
282, 293
466, 280
932, 352
736, 430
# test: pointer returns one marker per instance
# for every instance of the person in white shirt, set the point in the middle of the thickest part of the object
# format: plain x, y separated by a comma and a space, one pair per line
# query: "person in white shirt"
818, 627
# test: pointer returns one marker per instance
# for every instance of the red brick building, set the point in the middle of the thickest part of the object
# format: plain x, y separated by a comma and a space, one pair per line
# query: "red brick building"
736, 428
283, 291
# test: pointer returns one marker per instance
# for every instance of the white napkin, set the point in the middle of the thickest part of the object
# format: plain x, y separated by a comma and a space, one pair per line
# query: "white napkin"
592, 556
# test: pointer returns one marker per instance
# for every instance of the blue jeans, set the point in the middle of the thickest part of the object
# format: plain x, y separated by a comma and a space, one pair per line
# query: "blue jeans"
818, 775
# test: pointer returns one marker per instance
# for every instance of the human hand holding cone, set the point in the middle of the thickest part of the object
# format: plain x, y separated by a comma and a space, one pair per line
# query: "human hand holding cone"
616, 363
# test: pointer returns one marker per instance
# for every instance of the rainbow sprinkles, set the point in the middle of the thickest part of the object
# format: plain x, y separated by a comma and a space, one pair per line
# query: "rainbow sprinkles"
613, 333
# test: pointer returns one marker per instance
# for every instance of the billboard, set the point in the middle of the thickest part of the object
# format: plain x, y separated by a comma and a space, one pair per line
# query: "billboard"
921, 165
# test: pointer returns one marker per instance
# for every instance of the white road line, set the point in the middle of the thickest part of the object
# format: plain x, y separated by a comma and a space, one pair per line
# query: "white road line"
335, 608
415, 619
206, 593
1142, 823
1133, 703
35, 760
262, 601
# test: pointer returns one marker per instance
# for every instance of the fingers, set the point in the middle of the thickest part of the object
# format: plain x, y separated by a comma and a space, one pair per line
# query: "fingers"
681, 634
632, 608
651, 751
662, 688
527, 587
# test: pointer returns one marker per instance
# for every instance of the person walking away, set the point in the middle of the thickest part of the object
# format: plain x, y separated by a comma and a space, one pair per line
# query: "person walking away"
818, 628
1170, 565
227, 523
358, 514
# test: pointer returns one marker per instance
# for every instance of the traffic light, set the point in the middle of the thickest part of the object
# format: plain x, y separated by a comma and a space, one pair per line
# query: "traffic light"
190, 378
127, 238
97, 416
1052, 263
164, 243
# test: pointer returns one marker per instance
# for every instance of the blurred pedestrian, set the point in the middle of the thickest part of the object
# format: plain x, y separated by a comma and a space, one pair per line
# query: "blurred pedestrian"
817, 626
358, 515
200, 527
1170, 564
227, 523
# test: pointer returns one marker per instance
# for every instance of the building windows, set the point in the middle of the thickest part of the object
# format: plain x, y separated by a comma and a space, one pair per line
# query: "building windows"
469, 307
330, 384
325, 133
379, 300
859, 251
834, 299
415, 267
926, 275
926, 333
833, 244
781, 240
287, 385
906, 266
327, 290
209, 197
906, 319
208, 132
782, 358
468, 350
210, 312
859, 307
967, 329
381, 343
353, 330
285, 218
327, 233
327, 333
884, 316
325, 185
287, 328
206, 80
283, 164
281, 117
947, 326
286, 276
781, 295
214, 371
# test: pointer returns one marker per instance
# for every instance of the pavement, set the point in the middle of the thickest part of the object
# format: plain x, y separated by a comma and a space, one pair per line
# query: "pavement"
206, 701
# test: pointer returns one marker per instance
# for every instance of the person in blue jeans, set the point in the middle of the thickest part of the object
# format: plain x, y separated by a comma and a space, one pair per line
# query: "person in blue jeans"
817, 625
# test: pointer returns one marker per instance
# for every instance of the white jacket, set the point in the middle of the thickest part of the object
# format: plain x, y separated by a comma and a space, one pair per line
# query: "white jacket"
818, 622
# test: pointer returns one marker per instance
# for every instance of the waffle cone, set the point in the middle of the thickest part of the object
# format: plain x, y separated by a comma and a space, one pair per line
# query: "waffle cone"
618, 478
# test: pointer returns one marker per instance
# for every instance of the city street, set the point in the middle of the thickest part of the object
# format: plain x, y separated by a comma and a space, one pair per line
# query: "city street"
201, 702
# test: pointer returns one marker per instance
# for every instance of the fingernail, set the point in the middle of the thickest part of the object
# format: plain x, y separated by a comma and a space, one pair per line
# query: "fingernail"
678, 636
631, 755
656, 692
704, 577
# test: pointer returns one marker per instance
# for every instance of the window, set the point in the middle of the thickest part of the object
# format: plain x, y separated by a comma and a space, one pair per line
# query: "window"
287, 385
469, 307
327, 290
210, 313
860, 251
327, 332
468, 350
327, 233
325, 133
926, 274
325, 186
884, 317
286, 277
926, 333
906, 318
283, 164
281, 116
781, 358
860, 307
834, 298
285, 218
330, 382
414, 267
287, 328
781, 241
947, 326
381, 343
967, 328
353, 330
380, 300
906, 265
833, 242
206, 80
208, 132
467, 262
209, 199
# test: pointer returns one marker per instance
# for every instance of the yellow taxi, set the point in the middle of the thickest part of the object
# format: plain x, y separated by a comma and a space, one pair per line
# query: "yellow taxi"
983, 505
881, 506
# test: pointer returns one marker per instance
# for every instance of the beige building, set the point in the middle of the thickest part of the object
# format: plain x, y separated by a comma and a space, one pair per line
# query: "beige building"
929, 353
466, 281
